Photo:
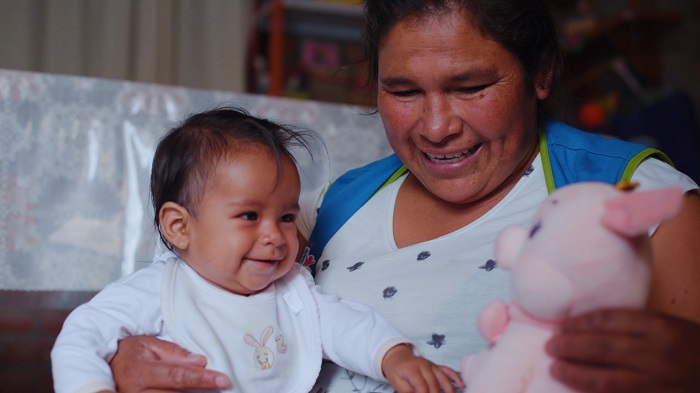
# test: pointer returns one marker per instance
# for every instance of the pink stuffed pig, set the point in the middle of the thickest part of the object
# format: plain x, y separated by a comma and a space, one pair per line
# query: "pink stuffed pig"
588, 248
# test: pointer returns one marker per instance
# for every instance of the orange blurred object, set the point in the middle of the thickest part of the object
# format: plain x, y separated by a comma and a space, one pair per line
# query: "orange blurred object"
592, 115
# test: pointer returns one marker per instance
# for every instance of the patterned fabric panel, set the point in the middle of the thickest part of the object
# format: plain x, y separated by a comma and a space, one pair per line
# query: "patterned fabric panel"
75, 160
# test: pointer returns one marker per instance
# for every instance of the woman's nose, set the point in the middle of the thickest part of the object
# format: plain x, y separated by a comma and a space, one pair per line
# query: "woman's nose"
439, 120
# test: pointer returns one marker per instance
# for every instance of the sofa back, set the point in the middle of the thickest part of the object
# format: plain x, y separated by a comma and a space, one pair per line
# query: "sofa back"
75, 162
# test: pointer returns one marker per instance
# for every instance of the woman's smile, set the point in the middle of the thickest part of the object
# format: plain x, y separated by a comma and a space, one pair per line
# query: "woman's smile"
452, 165
448, 158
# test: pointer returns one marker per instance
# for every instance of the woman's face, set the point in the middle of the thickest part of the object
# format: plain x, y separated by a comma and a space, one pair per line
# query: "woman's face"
455, 107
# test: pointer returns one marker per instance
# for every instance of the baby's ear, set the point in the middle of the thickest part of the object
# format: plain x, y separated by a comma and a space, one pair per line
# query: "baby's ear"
174, 220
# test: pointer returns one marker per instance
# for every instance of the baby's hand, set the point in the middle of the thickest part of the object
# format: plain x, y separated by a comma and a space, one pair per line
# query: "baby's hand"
409, 373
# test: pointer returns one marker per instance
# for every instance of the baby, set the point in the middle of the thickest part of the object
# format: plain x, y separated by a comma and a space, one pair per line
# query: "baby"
225, 191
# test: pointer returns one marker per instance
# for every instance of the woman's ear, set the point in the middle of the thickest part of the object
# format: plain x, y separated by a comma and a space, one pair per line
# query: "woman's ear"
174, 220
542, 87
543, 82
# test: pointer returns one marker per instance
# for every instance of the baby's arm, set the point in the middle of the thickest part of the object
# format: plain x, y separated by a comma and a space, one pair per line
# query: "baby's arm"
89, 337
359, 339
407, 372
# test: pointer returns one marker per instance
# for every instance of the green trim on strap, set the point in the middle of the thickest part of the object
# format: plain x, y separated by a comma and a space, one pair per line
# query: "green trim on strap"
546, 164
641, 156
399, 172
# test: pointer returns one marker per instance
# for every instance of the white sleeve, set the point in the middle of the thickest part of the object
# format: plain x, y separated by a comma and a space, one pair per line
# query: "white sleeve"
88, 340
653, 173
310, 202
353, 335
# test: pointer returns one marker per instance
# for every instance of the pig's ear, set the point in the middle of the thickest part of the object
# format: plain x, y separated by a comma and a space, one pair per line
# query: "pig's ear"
633, 213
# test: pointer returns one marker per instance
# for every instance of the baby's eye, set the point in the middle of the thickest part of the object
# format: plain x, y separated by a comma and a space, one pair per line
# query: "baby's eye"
534, 230
252, 216
289, 218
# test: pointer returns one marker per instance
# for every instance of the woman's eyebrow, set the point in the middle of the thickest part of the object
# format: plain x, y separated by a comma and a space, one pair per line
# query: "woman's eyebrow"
473, 75
393, 82
461, 77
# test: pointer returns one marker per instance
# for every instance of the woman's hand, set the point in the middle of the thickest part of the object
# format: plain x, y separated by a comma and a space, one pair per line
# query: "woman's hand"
147, 364
407, 372
627, 351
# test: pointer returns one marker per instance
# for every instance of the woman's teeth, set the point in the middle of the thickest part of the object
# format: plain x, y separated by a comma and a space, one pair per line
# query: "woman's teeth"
448, 158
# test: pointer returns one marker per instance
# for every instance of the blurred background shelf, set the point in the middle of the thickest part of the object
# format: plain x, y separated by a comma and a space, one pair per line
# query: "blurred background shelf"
308, 49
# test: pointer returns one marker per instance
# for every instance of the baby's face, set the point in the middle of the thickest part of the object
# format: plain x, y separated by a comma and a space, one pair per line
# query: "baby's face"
244, 236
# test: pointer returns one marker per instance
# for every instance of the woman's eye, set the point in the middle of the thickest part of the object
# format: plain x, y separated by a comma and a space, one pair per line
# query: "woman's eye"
404, 93
252, 216
289, 218
471, 89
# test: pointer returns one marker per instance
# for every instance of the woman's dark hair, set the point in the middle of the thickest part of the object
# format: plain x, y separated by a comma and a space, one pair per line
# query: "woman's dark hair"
524, 27
187, 154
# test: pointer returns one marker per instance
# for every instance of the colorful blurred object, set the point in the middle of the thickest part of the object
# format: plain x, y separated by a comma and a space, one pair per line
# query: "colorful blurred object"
591, 115
595, 113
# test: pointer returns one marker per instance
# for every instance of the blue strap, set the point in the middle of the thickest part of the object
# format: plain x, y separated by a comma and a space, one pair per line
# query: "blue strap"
571, 155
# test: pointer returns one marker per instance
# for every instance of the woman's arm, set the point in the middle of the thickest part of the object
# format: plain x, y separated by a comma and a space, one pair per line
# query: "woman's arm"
676, 268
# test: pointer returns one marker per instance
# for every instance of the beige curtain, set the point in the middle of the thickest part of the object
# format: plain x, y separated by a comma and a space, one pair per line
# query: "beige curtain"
194, 43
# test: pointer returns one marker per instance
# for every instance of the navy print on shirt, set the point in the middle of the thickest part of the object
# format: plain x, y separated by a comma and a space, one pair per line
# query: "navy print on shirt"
437, 340
355, 266
423, 255
489, 265
325, 264
529, 170
389, 292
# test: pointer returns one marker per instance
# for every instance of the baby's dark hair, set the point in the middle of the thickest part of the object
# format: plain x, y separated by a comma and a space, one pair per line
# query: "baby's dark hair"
187, 154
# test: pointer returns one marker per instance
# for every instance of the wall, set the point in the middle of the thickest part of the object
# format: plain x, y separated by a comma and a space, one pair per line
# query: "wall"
193, 43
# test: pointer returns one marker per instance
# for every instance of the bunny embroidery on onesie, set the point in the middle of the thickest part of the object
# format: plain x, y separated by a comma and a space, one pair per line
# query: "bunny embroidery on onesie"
264, 357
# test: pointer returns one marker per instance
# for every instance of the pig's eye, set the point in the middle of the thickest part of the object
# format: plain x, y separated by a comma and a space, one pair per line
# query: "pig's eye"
535, 229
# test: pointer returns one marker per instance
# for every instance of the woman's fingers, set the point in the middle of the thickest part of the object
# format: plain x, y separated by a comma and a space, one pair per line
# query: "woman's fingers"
607, 320
586, 378
146, 364
179, 377
172, 353
627, 351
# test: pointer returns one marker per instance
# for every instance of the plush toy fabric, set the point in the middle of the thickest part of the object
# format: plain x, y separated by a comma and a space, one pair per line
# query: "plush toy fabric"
587, 248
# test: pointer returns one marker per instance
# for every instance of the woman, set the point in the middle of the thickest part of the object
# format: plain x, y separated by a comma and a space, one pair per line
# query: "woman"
460, 85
